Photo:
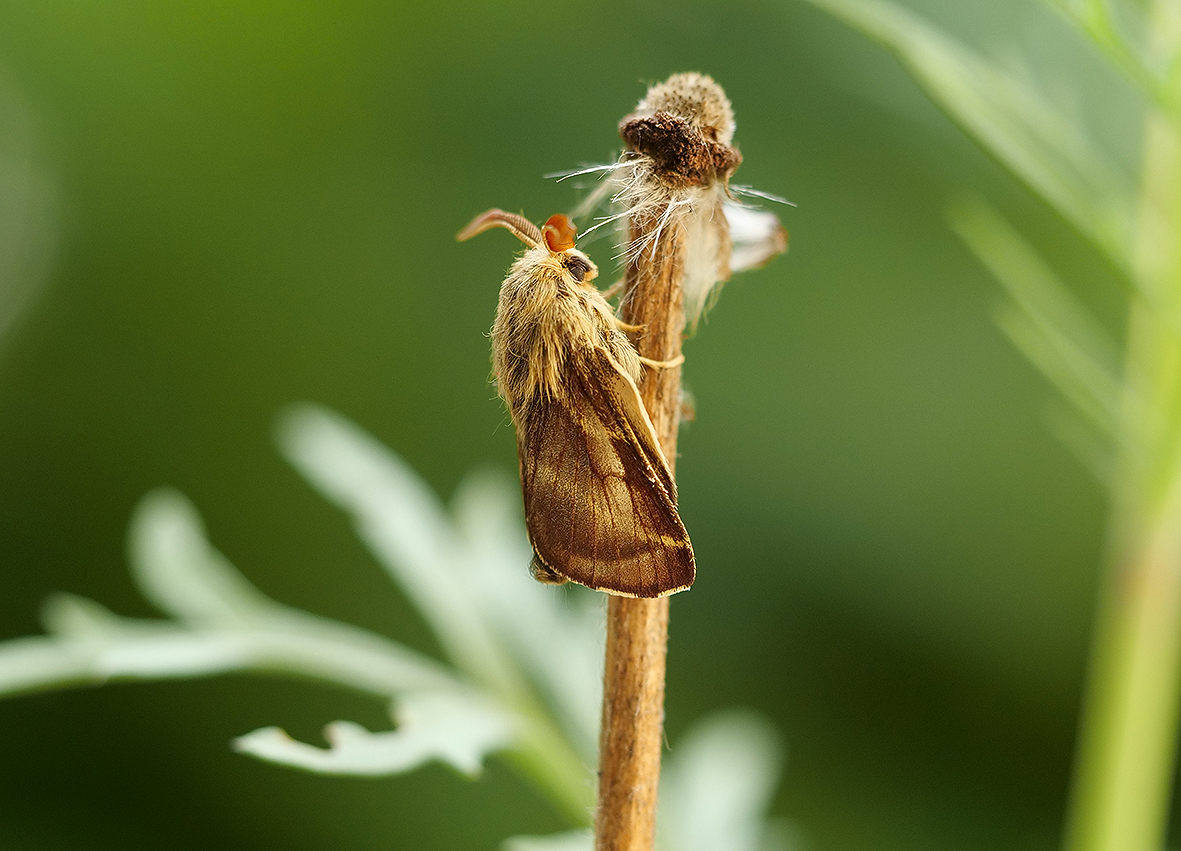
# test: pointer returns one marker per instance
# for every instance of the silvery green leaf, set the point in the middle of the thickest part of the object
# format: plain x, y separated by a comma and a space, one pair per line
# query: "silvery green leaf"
555, 632
405, 526
35, 663
71, 616
458, 728
572, 840
718, 784
91, 645
177, 569
1053, 154
226, 625
121, 648
105, 646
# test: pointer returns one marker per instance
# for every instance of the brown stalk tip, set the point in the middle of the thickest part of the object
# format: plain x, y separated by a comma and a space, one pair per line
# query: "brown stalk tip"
685, 125
681, 154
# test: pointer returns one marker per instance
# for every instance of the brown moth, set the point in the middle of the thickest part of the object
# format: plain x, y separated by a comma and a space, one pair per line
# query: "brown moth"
600, 502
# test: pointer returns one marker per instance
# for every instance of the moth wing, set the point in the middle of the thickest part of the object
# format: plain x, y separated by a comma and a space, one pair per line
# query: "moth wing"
600, 502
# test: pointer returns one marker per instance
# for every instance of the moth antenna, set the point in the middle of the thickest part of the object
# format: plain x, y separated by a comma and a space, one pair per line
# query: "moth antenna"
520, 226
559, 233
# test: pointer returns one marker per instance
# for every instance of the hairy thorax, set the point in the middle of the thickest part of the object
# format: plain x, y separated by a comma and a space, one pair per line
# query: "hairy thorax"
546, 324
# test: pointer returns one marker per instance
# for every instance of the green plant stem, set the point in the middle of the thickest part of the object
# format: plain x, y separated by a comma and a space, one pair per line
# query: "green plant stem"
1128, 739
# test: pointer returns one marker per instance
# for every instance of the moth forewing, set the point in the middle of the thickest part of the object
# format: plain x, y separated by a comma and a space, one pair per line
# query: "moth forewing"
600, 501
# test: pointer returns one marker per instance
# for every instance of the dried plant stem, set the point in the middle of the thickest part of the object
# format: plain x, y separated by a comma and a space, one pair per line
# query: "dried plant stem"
633, 715
637, 629
673, 188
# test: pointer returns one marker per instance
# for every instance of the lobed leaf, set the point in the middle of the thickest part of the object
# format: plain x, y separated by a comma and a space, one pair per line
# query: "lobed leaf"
457, 728
719, 783
405, 526
224, 624
555, 633
177, 569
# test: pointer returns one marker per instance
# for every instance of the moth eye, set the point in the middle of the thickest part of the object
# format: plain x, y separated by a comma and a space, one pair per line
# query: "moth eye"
559, 233
577, 267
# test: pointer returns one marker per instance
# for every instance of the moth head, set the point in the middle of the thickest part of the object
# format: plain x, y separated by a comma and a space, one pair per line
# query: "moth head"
559, 233
553, 243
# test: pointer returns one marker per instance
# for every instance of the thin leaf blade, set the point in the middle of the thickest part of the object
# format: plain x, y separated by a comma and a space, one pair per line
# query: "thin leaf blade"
1008, 118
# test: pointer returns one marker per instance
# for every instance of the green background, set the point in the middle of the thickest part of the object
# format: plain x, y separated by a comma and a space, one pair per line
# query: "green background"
253, 203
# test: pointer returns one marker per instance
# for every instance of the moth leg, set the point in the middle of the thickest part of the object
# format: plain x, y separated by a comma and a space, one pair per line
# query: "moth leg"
544, 574
662, 364
631, 329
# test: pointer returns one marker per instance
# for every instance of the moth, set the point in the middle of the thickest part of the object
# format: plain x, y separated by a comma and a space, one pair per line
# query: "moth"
600, 501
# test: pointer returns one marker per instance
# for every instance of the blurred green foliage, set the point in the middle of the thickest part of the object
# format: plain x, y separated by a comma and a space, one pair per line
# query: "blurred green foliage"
256, 204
